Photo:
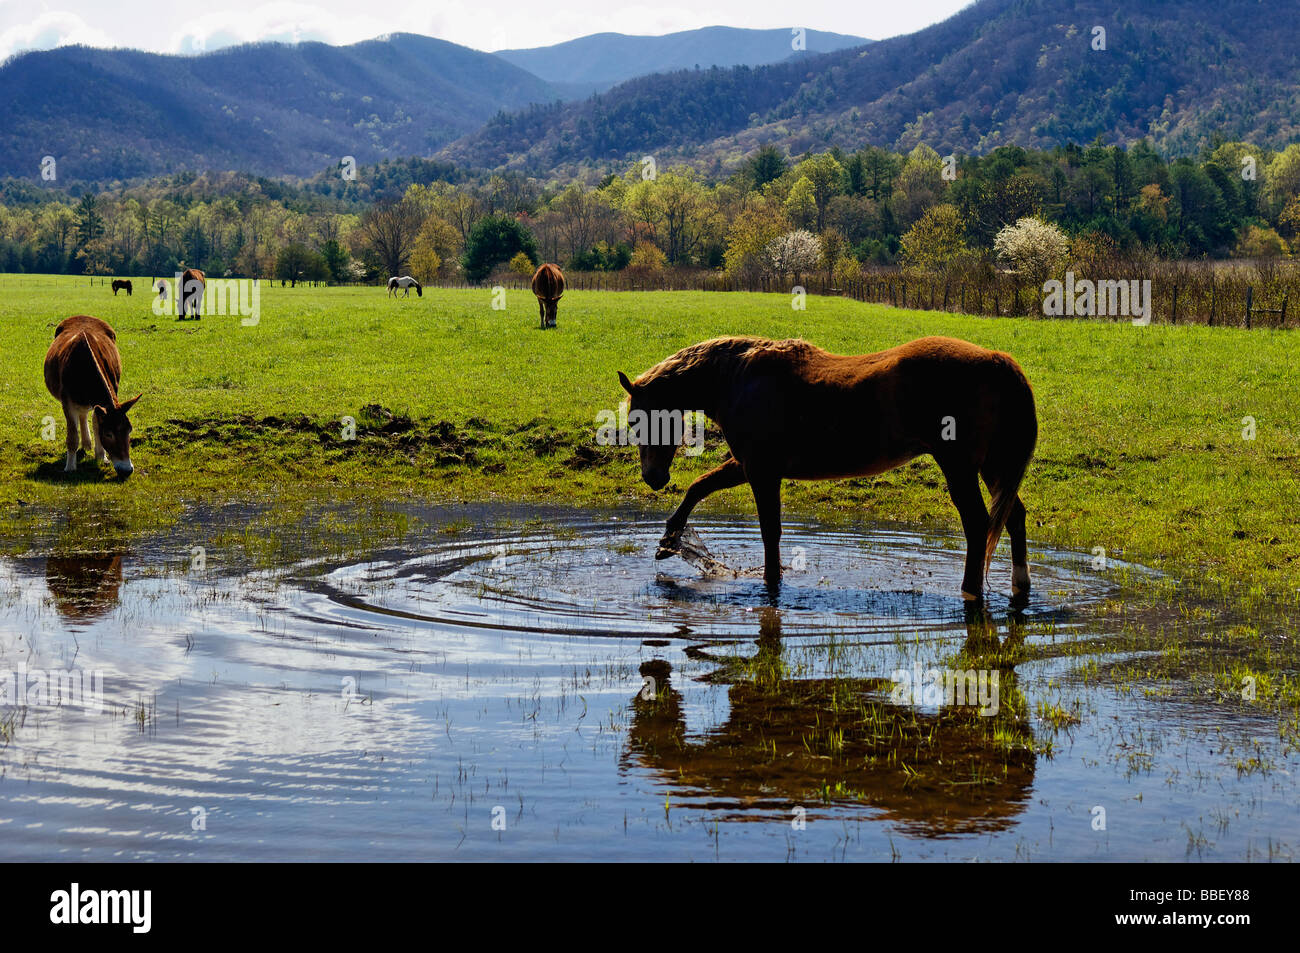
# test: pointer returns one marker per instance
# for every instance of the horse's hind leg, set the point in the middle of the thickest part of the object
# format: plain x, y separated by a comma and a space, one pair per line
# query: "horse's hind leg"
1019, 551
964, 488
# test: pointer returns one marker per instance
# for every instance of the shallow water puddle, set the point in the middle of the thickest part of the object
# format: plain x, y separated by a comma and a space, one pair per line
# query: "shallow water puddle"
556, 693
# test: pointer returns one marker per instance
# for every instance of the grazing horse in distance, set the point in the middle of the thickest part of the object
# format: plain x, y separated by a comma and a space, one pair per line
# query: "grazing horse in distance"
161, 288
82, 370
791, 411
406, 283
548, 285
193, 284
121, 284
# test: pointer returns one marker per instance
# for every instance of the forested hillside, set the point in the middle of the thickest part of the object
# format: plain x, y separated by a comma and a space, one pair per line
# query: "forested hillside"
1034, 73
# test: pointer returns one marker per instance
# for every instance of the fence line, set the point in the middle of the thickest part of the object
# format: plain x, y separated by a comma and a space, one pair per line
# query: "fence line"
1246, 298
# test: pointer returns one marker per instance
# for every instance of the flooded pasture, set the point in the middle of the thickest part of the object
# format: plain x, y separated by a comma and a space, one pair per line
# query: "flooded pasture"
538, 687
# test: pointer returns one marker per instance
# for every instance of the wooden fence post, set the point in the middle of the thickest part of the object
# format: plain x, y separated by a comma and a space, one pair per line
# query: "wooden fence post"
1250, 298
1175, 312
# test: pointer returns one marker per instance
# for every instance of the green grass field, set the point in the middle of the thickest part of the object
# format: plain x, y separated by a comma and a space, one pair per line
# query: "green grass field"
1141, 448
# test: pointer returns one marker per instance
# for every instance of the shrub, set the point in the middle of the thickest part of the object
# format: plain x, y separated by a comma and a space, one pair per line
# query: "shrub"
794, 253
1032, 248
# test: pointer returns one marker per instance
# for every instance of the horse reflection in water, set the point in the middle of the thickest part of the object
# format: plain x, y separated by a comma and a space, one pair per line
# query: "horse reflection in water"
841, 741
84, 587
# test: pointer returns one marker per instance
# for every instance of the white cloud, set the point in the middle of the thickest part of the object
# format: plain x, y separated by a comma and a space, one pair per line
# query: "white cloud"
51, 29
163, 26
282, 22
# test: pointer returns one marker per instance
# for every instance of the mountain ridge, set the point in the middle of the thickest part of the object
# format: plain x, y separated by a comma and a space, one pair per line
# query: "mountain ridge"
600, 60
998, 72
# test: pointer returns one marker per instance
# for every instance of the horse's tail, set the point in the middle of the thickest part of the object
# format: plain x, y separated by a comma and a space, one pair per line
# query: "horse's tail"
1010, 450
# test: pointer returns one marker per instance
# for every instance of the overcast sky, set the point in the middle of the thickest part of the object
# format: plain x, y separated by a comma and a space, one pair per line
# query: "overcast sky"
165, 26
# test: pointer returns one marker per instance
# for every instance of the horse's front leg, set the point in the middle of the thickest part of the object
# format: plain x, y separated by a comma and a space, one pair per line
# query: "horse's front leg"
722, 477
767, 497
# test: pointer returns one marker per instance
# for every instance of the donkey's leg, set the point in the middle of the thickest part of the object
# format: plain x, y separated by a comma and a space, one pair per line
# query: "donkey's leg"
541, 309
70, 441
90, 436
100, 453
767, 497
723, 477
1019, 551
964, 488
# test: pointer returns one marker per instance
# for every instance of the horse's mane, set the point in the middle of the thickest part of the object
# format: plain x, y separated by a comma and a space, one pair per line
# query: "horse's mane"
726, 355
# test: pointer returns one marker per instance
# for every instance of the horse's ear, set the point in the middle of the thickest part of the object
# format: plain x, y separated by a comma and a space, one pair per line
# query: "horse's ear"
130, 403
627, 384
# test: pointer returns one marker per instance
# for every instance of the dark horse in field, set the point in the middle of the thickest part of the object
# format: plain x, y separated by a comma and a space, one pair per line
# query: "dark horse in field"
548, 285
121, 284
791, 411
82, 370
193, 284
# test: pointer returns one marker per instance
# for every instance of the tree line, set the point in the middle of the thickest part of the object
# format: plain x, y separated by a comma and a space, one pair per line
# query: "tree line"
774, 214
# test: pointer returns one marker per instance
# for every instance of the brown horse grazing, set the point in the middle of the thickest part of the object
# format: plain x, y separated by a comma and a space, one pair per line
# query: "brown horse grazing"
121, 284
193, 283
789, 410
82, 370
548, 285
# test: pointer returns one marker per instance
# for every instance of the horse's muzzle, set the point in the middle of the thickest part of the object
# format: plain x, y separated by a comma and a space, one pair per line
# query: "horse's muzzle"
656, 479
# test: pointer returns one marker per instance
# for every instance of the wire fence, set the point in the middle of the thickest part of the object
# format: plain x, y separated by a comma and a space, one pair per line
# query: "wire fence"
1216, 294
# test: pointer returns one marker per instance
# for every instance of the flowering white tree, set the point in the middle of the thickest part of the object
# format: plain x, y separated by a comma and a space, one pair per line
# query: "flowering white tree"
1033, 248
794, 253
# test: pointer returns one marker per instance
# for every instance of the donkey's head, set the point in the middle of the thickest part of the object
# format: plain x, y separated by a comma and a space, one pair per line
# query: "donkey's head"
115, 434
654, 430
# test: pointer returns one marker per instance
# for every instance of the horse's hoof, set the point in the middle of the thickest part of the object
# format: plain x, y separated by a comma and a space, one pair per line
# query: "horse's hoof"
1020, 581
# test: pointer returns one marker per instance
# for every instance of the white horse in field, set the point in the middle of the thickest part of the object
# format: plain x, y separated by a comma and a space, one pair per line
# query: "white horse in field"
406, 283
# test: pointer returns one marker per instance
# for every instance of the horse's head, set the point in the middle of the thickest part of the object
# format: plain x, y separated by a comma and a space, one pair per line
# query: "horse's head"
651, 430
115, 434
419, 290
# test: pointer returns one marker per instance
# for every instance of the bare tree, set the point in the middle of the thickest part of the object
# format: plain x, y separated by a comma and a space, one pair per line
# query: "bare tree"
390, 230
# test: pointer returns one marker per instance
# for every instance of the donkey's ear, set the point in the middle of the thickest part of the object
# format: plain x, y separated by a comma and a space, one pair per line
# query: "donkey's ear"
130, 403
627, 384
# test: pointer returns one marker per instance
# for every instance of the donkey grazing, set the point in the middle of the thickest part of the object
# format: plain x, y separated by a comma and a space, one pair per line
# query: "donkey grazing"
121, 284
791, 411
82, 370
548, 285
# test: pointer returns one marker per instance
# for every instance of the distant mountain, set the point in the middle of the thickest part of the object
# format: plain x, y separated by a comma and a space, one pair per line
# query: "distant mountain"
601, 60
272, 108
1029, 72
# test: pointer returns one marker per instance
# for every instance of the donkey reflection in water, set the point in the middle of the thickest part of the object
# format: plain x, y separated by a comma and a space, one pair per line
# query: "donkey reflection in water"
791, 411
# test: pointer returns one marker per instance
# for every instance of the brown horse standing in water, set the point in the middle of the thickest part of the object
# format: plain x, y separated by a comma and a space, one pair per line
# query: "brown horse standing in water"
791, 411
548, 285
